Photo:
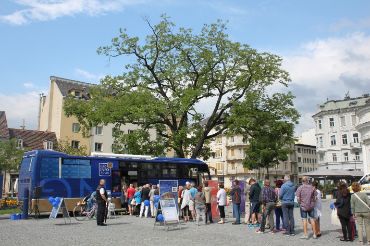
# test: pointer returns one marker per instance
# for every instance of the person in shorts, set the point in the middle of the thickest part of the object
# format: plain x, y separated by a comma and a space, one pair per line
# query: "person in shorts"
130, 195
254, 197
307, 195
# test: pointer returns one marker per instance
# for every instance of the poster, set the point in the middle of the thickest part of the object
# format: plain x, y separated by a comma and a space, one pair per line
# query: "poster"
169, 209
168, 186
213, 184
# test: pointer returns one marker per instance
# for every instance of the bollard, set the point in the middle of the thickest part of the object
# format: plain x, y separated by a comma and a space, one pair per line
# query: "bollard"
25, 204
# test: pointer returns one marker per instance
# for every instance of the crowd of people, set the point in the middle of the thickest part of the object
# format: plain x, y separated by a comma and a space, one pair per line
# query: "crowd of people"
266, 208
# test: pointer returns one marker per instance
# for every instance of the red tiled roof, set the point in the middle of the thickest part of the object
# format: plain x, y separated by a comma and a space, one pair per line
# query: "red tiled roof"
33, 139
4, 132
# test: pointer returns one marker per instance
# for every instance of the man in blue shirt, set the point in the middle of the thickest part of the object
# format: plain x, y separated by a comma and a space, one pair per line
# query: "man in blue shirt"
286, 195
192, 191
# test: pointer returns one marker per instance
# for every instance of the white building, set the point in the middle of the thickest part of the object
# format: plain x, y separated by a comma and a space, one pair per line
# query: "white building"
308, 137
338, 140
364, 128
102, 137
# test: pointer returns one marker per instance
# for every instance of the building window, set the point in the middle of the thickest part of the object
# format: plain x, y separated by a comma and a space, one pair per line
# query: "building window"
221, 179
357, 156
130, 131
232, 139
219, 139
98, 147
299, 150
76, 127
232, 153
75, 144
77, 94
345, 156
20, 143
320, 124
342, 121
344, 139
332, 140
321, 142
355, 137
218, 153
331, 122
99, 130
220, 166
299, 169
321, 156
48, 145
354, 121
233, 166
299, 159
335, 157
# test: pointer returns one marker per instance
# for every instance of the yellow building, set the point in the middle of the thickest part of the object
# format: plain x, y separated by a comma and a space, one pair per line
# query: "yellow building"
51, 114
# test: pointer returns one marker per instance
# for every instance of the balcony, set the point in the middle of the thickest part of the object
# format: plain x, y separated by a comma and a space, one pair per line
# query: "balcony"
230, 144
355, 145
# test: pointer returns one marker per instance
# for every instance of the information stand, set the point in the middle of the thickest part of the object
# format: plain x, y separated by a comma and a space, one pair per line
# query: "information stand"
60, 208
170, 213
169, 186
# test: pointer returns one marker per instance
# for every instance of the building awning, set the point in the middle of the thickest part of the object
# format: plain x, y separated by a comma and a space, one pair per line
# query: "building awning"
327, 173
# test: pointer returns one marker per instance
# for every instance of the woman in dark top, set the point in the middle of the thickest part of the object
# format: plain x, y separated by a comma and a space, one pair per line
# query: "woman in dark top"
343, 205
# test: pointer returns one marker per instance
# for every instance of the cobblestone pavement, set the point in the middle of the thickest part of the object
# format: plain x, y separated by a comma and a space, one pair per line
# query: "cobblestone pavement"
130, 230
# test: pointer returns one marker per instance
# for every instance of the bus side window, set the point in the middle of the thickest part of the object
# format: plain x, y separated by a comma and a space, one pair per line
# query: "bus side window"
76, 169
49, 168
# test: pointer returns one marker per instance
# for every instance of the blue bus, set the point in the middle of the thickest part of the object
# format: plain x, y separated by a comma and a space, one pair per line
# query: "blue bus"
74, 177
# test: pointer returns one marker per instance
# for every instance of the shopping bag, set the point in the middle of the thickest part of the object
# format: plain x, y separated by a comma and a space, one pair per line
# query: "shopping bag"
334, 217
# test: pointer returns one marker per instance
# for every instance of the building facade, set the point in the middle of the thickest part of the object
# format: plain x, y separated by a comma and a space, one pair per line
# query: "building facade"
339, 144
52, 118
26, 140
228, 153
364, 129
51, 114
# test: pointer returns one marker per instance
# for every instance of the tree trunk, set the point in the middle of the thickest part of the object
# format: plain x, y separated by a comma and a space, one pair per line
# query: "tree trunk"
4, 182
267, 173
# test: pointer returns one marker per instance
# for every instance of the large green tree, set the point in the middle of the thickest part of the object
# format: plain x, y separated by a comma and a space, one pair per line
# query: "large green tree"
268, 124
10, 156
65, 147
173, 73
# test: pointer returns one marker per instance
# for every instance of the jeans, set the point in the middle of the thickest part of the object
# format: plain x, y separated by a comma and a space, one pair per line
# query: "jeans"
288, 217
236, 212
201, 212
209, 212
278, 217
269, 211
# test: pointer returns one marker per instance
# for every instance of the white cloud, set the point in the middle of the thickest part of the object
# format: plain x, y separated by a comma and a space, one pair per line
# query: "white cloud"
20, 106
44, 10
92, 77
328, 68
28, 85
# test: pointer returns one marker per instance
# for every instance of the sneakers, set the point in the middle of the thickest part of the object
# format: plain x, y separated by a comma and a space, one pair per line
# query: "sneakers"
304, 237
259, 231
314, 236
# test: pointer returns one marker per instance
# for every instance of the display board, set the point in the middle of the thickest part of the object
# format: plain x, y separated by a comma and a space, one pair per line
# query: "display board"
61, 207
213, 184
169, 186
169, 210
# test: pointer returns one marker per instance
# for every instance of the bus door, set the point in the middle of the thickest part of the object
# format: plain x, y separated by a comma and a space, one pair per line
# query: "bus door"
128, 172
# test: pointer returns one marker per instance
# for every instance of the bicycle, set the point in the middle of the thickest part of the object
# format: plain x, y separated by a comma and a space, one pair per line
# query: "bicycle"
81, 212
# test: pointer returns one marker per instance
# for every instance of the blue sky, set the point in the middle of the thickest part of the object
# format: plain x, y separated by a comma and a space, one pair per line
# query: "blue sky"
325, 44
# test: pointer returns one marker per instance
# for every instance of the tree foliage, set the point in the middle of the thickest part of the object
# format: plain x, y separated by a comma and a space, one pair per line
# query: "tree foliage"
137, 142
65, 147
173, 73
268, 123
10, 155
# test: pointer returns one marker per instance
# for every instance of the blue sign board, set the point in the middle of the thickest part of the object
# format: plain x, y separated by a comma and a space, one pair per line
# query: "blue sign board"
169, 186
105, 169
